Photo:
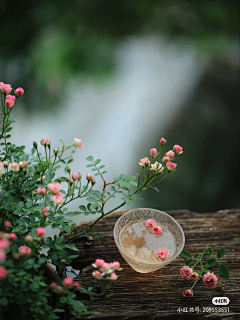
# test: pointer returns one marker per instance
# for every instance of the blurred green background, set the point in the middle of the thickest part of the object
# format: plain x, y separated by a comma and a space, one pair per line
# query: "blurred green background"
50, 47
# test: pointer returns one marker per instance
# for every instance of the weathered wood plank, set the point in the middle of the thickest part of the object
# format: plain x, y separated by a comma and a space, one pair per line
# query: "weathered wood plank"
159, 294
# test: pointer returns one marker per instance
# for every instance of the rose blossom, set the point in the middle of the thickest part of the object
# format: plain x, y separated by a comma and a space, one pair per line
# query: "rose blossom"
5, 164
12, 236
2, 255
19, 91
41, 191
9, 103
67, 282
52, 285
23, 164
113, 276
14, 166
40, 232
166, 159
7, 223
171, 166
144, 162
153, 152
115, 265
28, 238
106, 266
156, 167
178, 149
162, 141
2, 87
89, 177
210, 280
24, 250
157, 231
7, 88
78, 143
43, 141
170, 154
188, 293
76, 285
57, 198
75, 176
150, 223
3, 273
4, 244
162, 254
98, 263
9, 96
97, 274
54, 187
185, 272
45, 212
194, 276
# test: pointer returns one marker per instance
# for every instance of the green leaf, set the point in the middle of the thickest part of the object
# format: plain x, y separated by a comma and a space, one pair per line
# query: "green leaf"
66, 228
93, 206
70, 160
224, 271
58, 310
89, 165
154, 188
134, 183
90, 158
19, 228
97, 161
196, 255
210, 250
186, 255
83, 208
189, 262
211, 262
102, 166
221, 253
206, 266
206, 255
59, 240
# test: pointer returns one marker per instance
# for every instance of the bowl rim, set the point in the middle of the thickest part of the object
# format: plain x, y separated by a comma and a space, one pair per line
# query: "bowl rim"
150, 263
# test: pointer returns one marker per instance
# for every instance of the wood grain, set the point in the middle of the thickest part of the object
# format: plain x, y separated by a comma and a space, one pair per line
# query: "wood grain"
159, 294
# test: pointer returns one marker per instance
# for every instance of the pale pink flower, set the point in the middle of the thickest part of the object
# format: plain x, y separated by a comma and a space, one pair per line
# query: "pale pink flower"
178, 149
170, 154
210, 280
19, 91
115, 265
150, 223
14, 166
2, 255
40, 232
43, 141
52, 285
47, 142
57, 198
157, 231
9, 103
185, 272
41, 191
4, 244
45, 212
113, 276
7, 223
29, 238
97, 274
162, 253
2, 87
89, 177
75, 176
23, 164
54, 187
188, 293
153, 152
106, 266
171, 166
78, 143
166, 159
99, 263
7, 88
76, 285
26, 251
156, 167
194, 276
144, 162
67, 282
12, 236
162, 141
59, 288
9, 96
5, 164
3, 273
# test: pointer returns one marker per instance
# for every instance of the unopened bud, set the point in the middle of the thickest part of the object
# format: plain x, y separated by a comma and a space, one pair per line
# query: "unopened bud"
35, 144
71, 182
93, 182
55, 151
59, 180
67, 179
15, 256
39, 239
63, 261
68, 170
5, 164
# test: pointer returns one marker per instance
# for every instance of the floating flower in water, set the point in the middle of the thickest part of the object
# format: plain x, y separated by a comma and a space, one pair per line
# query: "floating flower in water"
162, 254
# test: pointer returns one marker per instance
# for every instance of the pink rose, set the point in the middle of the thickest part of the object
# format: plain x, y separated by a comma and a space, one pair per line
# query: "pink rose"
23, 164
210, 280
40, 232
14, 166
12, 236
9, 103
170, 154
113, 276
4, 244
52, 285
45, 212
144, 162
67, 282
2, 87
115, 265
26, 251
153, 152
9, 96
76, 285
178, 149
3, 273
2, 255
28, 238
19, 91
89, 177
97, 274
78, 143
162, 141
157, 231
99, 262
7, 88
188, 293
7, 223
5, 164
194, 276
75, 176
157, 167
171, 166
43, 141
41, 191
150, 223
54, 187
185, 272
166, 159
106, 266
162, 254
57, 198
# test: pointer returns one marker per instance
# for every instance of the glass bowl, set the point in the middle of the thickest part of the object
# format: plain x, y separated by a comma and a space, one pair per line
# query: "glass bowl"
172, 239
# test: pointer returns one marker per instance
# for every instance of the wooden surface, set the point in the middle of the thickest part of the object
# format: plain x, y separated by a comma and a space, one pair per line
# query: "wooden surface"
158, 294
